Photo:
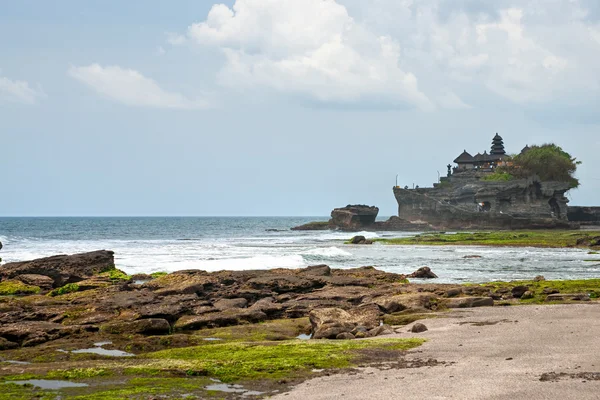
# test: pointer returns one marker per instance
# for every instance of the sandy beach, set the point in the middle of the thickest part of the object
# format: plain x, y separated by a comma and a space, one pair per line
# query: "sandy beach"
525, 352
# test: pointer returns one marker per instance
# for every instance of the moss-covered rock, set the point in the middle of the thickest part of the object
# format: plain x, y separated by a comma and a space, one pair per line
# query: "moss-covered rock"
16, 287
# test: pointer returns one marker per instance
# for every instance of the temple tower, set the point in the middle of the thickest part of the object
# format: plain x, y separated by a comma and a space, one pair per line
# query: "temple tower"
497, 146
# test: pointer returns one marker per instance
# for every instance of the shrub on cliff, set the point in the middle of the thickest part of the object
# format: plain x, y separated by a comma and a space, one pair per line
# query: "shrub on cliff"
549, 161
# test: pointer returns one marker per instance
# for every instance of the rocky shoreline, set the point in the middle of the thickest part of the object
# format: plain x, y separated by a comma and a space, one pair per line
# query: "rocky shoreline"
76, 301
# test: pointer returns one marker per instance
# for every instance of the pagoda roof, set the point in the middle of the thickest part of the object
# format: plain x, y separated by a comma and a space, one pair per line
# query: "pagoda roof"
478, 157
464, 158
525, 149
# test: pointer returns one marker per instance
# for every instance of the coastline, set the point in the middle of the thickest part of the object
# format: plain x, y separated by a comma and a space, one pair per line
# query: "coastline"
542, 239
177, 333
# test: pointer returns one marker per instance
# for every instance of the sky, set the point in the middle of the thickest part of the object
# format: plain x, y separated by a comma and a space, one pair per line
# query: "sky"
281, 107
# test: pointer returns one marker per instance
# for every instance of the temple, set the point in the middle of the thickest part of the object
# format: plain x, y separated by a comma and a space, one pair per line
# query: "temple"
468, 199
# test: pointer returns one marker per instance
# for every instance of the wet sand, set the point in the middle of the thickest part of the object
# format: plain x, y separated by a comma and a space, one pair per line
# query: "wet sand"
521, 352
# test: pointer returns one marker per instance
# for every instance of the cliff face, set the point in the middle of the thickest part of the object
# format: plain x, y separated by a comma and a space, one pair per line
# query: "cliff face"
466, 201
585, 215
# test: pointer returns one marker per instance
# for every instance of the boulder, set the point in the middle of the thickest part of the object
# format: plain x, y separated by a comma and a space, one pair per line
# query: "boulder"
518, 291
539, 278
528, 295
62, 269
360, 240
423, 273
354, 217
418, 328
467, 302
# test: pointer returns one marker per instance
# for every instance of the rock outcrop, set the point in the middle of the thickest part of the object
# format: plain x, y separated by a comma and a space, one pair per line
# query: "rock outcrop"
584, 215
62, 269
466, 200
341, 303
354, 217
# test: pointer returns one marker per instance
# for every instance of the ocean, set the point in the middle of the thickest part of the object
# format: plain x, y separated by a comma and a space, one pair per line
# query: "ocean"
153, 244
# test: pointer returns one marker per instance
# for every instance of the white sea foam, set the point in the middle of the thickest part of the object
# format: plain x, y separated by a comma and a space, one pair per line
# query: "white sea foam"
235, 264
328, 252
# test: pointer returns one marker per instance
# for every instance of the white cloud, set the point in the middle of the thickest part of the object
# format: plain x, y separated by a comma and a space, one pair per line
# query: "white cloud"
12, 91
311, 48
394, 52
451, 101
130, 87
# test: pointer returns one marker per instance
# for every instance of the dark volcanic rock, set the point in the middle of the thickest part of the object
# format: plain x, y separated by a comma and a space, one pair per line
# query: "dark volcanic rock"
418, 328
518, 291
62, 269
423, 273
360, 240
354, 217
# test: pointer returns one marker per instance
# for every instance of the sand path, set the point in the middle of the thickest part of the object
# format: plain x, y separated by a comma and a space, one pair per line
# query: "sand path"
490, 353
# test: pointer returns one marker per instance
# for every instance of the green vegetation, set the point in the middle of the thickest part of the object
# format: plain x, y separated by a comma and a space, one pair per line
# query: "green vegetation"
117, 275
144, 388
77, 373
499, 176
233, 361
266, 331
549, 161
551, 238
68, 288
589, 286
158, 274
13, 287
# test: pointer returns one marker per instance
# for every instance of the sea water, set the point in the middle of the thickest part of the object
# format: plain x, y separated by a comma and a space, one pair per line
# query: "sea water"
156, 244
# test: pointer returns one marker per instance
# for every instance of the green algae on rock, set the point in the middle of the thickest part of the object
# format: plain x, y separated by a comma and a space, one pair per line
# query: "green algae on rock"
15, 287
542, 238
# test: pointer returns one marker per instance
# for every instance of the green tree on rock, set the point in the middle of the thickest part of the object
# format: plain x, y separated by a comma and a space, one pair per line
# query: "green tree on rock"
548, 161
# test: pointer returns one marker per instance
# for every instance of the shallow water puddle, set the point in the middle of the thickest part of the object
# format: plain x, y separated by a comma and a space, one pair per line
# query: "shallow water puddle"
49, 384
303, 336
16, 362
218, 386
101, 351
211, 339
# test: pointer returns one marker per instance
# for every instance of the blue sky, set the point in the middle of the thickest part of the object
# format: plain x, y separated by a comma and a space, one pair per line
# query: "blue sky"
281, 107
